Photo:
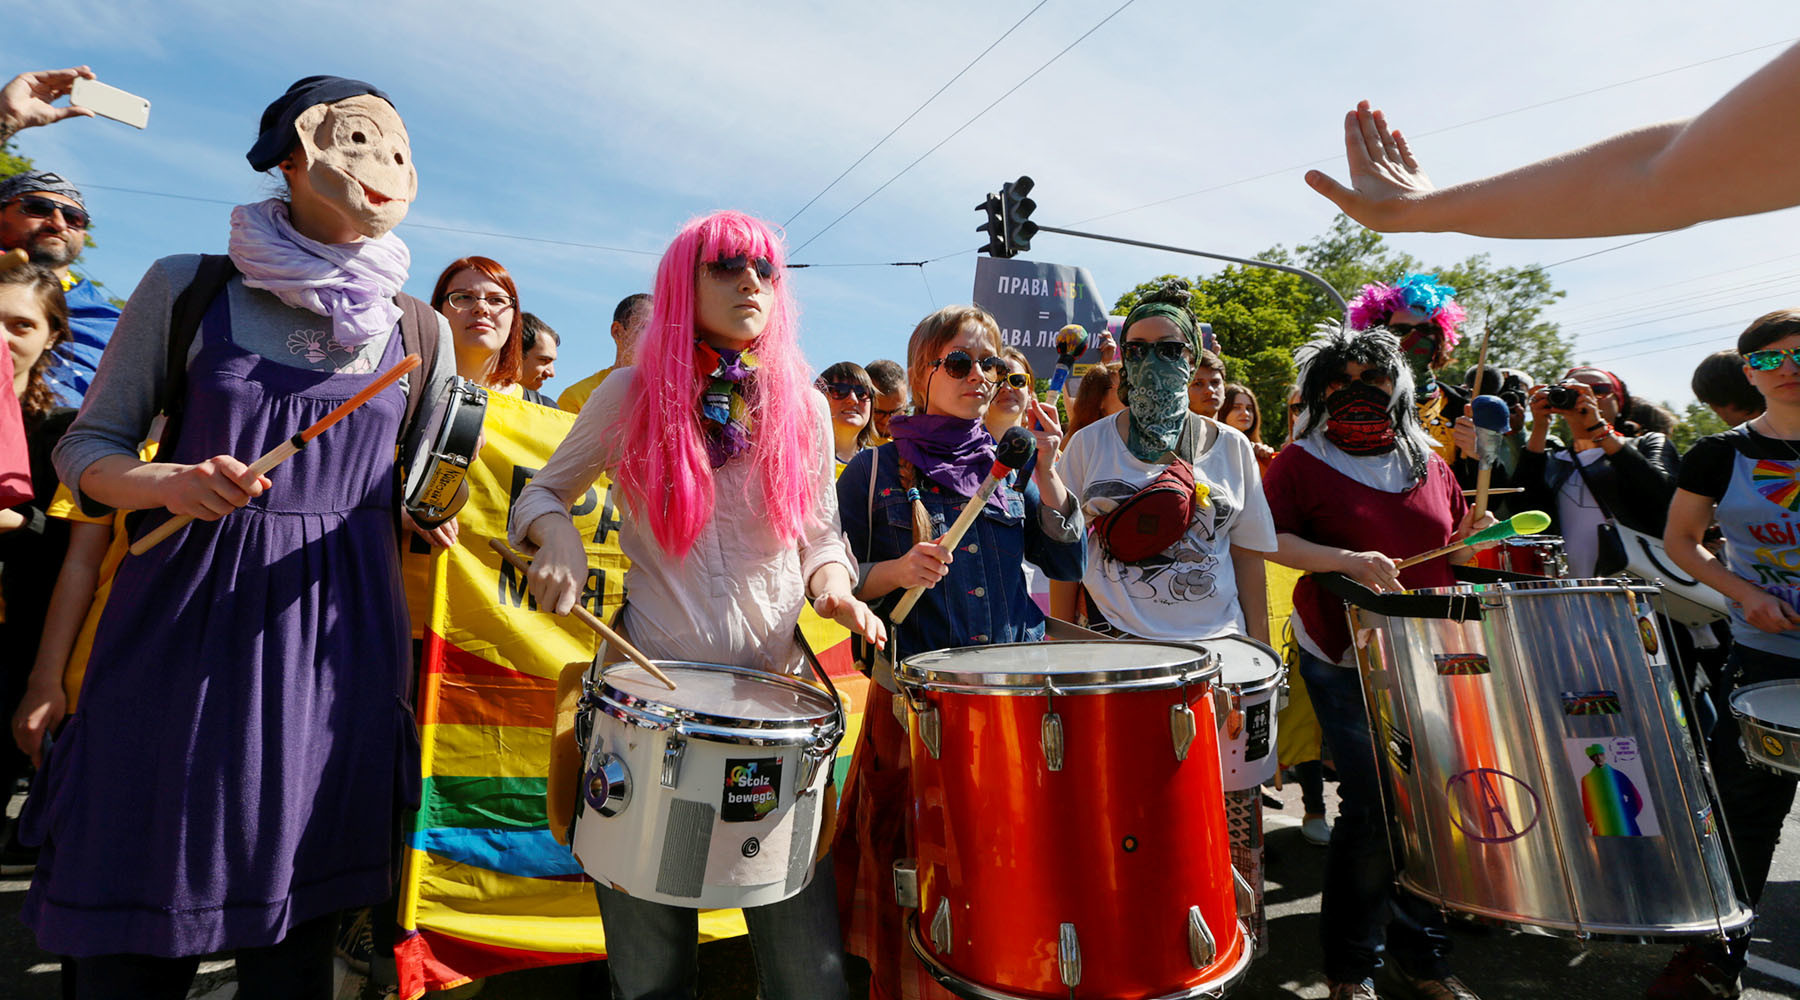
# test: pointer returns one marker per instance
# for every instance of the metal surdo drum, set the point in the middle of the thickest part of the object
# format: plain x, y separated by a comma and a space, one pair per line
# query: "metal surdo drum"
707, 796
1527, 555
1536, 761
1069, 824
1250, 673
1768, 717
437, 456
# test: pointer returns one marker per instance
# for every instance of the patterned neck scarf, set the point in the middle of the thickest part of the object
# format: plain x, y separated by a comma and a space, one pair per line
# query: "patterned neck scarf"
1157, 398
725, 402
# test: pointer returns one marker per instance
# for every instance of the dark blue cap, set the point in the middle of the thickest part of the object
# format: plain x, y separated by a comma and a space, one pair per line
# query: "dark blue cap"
277, 135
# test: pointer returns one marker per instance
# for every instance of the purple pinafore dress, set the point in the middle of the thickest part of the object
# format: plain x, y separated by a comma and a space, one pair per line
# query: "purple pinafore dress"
244, 737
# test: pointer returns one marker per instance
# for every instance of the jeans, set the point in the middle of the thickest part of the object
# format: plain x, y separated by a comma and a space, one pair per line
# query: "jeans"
1362, 910
298, 967
652, 949
1310, 776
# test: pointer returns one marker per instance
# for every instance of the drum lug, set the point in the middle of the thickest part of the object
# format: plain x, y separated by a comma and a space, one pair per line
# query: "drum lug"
1202, 948
1221, 703
674, 747
609, 785
1050, 736
1068, 956
906, 883
1182, 728
940, 928
931, 731
1246, 896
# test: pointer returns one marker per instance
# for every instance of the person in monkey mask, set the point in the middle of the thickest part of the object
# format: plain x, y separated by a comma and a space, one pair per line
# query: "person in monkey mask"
245, 737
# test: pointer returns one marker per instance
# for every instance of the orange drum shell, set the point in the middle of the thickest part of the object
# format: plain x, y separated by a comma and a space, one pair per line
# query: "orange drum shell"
1120, 842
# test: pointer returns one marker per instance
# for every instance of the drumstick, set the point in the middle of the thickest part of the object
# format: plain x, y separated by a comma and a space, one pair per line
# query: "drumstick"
287, 449
1016, 446
1526, 522
1497, 491
588, 618
16, 257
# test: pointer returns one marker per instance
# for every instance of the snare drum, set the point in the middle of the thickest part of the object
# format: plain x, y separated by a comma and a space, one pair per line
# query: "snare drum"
1249, 673
438, 456
1528, 555
1537, 766
1068, 817
1768, 717
707, 796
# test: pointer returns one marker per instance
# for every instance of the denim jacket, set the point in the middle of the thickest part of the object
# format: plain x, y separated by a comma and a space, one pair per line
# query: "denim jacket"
983, 599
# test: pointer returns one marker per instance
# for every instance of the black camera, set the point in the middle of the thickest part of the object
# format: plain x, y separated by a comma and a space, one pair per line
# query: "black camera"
1563, 397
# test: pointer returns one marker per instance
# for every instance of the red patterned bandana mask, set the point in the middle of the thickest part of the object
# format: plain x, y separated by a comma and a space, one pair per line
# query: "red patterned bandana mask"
1357, 420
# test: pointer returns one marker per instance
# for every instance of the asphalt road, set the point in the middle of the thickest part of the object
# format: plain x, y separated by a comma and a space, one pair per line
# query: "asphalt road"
1498, 964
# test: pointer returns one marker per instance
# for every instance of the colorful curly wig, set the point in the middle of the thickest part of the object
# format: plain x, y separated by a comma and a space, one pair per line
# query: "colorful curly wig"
1420, 293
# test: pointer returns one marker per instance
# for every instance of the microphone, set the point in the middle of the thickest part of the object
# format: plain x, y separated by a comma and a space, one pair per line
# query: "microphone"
1016, 447
1492, 420
1071, 340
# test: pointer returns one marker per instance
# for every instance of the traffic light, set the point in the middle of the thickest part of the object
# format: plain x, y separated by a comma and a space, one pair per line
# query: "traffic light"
995, 226
1017, 209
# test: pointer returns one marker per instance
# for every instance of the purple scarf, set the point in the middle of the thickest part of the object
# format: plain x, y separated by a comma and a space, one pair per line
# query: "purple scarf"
952, 452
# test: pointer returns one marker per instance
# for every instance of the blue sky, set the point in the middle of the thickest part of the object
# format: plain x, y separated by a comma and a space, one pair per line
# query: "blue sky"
611, 124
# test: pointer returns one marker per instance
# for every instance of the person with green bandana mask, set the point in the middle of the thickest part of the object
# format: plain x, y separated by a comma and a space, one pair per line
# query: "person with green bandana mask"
1207, 581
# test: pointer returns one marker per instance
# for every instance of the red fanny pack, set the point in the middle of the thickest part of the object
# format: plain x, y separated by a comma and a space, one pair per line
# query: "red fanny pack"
1150, 521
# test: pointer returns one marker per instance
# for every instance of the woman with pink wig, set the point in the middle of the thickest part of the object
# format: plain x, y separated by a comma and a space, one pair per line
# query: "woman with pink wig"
723, 453
1422, 312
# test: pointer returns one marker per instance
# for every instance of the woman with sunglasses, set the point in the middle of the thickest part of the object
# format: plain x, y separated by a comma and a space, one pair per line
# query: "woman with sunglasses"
1740, 480
721, 450
896, 501
1013, 396
851, 394
1611, 468
1206, 580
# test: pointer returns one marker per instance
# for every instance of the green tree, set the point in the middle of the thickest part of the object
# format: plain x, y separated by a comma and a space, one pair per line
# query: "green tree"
1697, 421
1506, 304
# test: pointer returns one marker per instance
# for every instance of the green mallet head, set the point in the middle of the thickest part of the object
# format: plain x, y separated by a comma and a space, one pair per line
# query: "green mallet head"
1525, 522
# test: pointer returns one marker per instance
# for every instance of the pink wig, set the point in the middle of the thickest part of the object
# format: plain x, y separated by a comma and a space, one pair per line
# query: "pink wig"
665, 472
1375, 304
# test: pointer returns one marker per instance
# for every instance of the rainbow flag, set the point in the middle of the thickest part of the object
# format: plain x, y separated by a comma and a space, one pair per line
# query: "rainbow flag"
486, 889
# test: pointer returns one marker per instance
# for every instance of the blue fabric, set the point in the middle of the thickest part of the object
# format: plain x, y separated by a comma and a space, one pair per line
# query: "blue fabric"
1362, 914
525, 853
984, 599
91, 322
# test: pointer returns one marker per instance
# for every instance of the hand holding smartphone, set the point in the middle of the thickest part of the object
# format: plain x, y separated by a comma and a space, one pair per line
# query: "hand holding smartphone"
110, 102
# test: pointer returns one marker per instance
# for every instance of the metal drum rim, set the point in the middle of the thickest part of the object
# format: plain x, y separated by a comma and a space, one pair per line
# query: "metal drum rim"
1260, 684
1744, 716
1204, 668
1545, 587
649, 713
945, 977
1629, 933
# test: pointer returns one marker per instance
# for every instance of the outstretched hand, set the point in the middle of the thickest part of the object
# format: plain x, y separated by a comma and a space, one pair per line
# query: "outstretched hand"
25, 100
1383, 173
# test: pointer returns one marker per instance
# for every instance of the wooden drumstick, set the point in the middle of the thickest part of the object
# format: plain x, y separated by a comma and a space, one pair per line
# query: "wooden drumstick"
1525, 522
1015, 449
588, 618
287, 449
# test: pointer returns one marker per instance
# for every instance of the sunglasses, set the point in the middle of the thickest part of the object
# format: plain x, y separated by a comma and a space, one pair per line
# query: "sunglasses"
1135, 351
1018, 380
841, 391
38, 207
1406, 331
1769, 360
731, 267
958, 364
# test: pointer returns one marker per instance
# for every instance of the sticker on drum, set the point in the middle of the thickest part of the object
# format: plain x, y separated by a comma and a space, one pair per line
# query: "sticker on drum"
1611, 775
1647, 629
1772, 745
752, 789
1591, 703
1461, 664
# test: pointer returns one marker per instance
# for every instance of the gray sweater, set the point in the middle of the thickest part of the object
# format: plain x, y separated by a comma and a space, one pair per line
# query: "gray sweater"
116, 416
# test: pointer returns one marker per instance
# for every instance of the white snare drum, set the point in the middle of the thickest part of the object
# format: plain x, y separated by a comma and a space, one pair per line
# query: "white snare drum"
1768, 717
438, 456
1249, 674
707, 796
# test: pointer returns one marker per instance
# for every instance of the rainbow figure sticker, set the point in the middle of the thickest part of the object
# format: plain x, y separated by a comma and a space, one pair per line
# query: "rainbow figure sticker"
1776, 481
1611, 775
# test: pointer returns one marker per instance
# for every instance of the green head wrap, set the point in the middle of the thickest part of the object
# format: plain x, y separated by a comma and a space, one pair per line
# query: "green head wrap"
1169, 301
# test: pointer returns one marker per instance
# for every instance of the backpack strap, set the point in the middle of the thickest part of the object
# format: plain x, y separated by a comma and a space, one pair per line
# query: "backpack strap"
215, 271
418, 335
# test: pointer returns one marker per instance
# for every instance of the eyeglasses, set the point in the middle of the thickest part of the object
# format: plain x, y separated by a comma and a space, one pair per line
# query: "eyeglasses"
465, 301
39, 207
958, 364
1135, 351
841, 391
1771, 359
730, 267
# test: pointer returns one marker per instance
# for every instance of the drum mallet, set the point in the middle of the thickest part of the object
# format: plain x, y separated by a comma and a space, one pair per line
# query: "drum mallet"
1015, 449
289, 448
1525, 522
1492, 420
1071, 340
588, 618
16, 257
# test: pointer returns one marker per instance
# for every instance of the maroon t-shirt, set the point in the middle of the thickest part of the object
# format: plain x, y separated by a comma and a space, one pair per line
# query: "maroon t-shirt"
1320, 504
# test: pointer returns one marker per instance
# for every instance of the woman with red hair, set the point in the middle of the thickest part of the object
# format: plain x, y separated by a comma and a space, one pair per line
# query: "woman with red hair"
722, 451
487, 327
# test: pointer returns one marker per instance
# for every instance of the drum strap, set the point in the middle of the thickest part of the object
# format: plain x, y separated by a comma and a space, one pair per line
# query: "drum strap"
1454, 607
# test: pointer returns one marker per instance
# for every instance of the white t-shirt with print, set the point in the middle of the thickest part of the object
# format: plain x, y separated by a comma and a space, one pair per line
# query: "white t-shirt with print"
1189, 591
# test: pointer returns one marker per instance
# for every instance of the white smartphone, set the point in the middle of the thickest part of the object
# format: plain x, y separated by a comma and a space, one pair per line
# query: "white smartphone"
111, 102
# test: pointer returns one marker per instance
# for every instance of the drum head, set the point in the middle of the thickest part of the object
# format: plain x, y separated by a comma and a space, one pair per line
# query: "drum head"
721, 695
1072, 667
1245, 663
1771, 704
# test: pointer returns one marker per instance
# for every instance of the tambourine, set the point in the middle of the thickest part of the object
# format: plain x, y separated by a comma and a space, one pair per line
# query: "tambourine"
438, 459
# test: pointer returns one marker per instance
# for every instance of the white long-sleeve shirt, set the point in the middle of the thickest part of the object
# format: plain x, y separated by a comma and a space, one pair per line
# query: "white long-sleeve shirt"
737, 595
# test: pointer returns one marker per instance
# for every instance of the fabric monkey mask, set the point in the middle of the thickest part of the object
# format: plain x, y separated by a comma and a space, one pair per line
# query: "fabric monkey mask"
357, 154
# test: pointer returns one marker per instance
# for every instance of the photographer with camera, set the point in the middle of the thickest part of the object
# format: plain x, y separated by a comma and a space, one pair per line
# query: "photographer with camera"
1612, 469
